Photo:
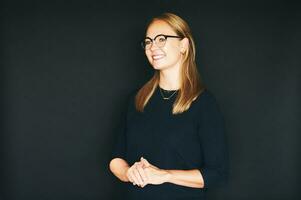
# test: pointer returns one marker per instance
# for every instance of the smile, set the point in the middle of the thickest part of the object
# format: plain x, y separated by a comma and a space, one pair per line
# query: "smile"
157, 57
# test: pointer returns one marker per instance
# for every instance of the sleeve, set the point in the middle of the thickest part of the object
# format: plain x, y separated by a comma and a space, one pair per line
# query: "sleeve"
213, 142
119, 146
120, 142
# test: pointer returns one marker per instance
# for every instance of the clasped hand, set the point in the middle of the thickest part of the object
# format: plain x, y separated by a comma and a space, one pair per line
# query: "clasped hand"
142, 173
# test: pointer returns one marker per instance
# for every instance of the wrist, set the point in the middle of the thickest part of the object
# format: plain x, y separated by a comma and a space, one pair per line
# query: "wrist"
168, 176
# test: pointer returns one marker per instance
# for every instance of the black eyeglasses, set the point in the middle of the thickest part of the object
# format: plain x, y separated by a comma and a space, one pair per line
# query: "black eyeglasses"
160, 40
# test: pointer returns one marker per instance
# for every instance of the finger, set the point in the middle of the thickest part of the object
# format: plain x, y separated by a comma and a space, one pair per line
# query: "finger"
144, 184
145, 162
138, 177
129, 175
142, 173
136, 172
134, 176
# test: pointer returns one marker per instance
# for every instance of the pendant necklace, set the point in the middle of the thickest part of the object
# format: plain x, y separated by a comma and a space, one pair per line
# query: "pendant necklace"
166, 98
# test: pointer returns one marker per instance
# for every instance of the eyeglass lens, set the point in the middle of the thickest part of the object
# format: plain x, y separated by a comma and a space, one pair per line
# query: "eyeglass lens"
160, 42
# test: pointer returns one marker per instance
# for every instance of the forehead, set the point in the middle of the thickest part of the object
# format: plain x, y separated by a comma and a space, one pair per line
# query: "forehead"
159, 27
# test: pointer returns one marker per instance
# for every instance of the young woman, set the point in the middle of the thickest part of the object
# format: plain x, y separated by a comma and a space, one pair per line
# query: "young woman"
173, 143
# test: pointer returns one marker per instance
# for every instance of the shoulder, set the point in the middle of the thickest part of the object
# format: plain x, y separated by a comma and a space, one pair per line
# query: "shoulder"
207, 101
205, 97
132, 94
131, 98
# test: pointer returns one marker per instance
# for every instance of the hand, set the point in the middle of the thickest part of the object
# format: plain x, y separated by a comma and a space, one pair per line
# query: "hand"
136, 174
154, 175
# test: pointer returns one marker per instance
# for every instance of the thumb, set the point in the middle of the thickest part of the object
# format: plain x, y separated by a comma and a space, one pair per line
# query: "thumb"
145, 162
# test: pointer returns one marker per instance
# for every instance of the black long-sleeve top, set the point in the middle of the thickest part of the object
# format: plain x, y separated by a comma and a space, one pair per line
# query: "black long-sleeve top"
194, 139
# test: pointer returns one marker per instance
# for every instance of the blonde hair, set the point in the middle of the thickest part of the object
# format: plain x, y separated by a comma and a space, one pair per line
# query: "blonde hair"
190, 81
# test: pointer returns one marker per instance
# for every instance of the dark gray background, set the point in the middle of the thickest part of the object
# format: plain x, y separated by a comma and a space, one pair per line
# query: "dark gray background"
68, 67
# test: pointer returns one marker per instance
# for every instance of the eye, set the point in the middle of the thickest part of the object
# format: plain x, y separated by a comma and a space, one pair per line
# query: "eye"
161, 39
147, 42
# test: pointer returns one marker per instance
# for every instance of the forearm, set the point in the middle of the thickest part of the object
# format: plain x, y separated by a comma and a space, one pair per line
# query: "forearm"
190, 178
119, 168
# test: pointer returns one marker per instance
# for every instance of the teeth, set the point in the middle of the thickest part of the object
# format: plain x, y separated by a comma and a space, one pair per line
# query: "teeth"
158, 57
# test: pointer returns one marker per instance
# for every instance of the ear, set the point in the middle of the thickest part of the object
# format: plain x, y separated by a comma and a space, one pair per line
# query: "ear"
184, 45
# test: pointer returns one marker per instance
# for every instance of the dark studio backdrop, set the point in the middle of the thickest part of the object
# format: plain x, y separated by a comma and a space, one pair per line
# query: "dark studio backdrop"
68, 67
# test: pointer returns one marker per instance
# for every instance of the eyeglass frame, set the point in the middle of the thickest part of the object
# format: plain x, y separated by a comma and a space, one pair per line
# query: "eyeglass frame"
154, 40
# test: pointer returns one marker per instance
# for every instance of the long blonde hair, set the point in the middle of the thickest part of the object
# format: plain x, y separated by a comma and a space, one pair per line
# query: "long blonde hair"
190, 81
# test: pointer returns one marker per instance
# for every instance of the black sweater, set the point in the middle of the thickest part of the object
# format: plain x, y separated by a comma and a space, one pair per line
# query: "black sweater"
194, 139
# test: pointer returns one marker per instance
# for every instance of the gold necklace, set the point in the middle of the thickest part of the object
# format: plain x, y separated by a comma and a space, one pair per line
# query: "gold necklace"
166, 98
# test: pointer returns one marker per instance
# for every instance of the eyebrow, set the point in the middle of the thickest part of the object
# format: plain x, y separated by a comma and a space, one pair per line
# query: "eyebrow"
156, 35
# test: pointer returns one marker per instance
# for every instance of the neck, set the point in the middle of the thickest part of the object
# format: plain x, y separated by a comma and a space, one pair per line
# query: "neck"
170, 78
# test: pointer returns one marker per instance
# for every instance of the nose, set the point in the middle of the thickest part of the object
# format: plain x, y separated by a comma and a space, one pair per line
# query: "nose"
154, 46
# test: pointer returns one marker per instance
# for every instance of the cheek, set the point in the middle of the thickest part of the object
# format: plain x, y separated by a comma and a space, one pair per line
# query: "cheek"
173, 53
148, 55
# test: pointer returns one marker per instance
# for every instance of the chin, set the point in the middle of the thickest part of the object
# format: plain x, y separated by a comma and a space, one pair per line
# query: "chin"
158, 66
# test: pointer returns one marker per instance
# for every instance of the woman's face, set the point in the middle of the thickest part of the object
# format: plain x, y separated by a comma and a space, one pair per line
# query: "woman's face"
170, 54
